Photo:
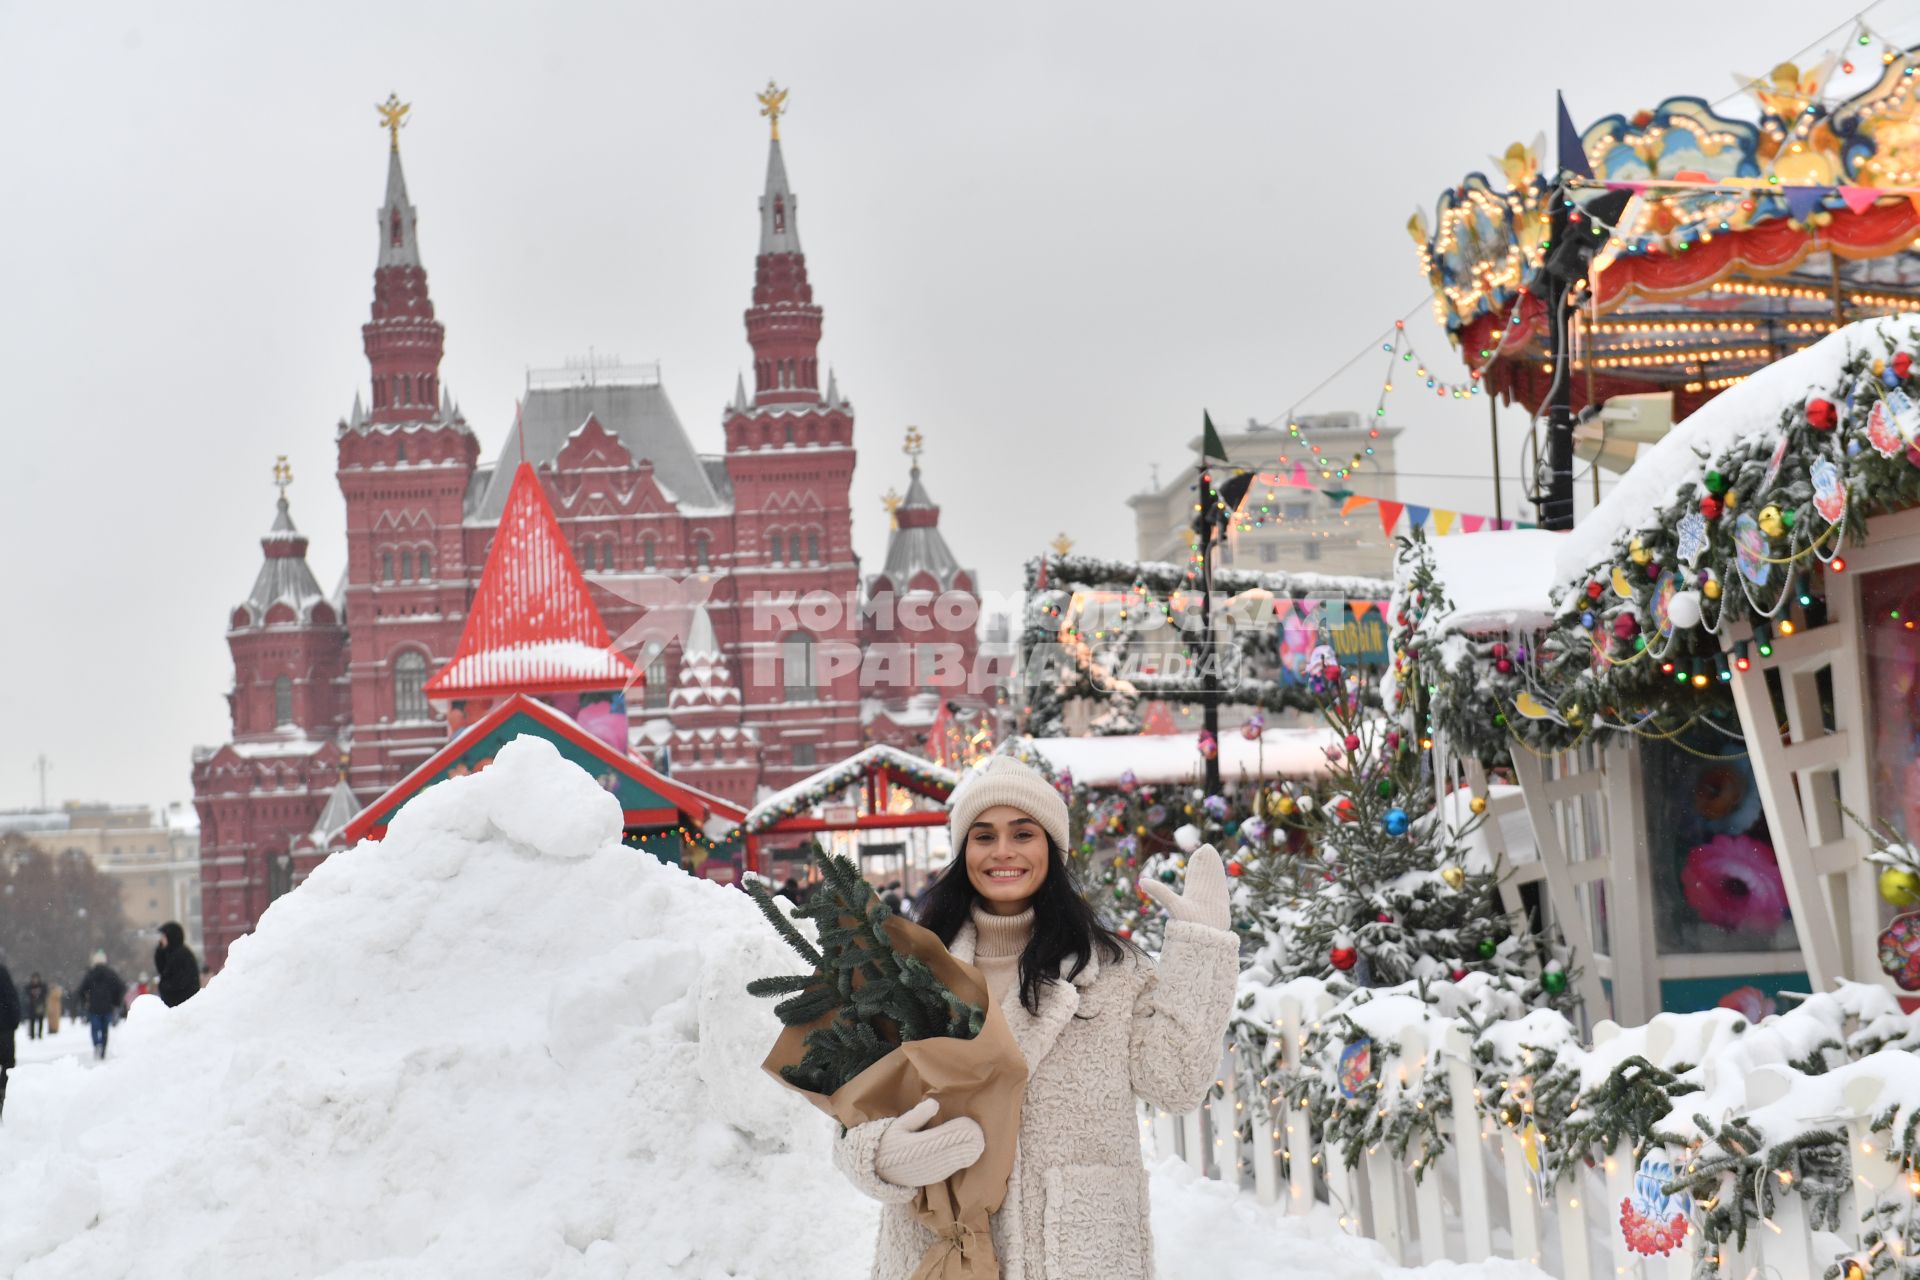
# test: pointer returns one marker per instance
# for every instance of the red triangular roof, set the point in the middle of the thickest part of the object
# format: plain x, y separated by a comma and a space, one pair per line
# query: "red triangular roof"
532, 627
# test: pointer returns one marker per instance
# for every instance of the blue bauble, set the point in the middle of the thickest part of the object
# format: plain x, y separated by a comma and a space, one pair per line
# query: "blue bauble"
1396, 822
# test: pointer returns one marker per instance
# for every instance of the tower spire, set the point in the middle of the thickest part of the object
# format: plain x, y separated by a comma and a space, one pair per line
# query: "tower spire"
403, 340
783, 324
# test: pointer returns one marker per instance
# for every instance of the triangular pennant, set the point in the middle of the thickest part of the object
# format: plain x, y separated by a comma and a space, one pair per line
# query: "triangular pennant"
1802, 201
1859, 199
1299, 477
1353, 503
1573, 156
1390, 515
1471, 524
1416, 516
1361, 608
1443, 522
1210, 446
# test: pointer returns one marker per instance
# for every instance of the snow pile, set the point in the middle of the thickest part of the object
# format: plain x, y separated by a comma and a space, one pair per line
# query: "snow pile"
497, 1044
1498, 581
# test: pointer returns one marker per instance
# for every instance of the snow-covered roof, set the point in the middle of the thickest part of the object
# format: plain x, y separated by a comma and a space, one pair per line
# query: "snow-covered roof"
1749, 411
532, 626
1175, 757
916, 544
284, 576
836, 778
1497, 581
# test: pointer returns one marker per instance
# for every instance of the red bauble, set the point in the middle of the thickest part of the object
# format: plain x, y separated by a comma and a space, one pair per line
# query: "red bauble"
1234, 868
1499, 650
1594, 590
1821, 416
1503, 666
1458, 974
1124, 932
1710, 507
1902, 364
1624, 625
1384, 917
1343, 958
1343, 808
1353, 742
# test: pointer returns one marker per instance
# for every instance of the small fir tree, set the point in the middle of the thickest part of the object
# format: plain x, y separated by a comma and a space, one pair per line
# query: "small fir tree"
875, 996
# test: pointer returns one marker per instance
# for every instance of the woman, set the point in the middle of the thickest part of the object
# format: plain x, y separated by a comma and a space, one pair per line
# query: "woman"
1097, 1021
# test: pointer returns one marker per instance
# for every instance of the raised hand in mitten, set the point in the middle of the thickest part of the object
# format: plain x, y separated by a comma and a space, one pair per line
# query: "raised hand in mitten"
1205, 901
912, 1156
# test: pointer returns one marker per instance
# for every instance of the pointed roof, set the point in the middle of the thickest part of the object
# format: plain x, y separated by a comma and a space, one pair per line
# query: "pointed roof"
399, 242
916, 545
739, 404
334, 816
779, 208
833, 388
705, 679
532, 628
284, 575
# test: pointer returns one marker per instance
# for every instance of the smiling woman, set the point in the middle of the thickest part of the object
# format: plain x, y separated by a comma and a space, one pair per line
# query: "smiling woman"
1098, 1022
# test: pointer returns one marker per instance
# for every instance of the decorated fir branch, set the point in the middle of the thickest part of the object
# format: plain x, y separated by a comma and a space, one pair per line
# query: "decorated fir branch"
1636, 642
872, 996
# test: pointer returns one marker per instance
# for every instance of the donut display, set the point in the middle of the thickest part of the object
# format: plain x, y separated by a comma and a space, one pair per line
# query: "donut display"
1733, 882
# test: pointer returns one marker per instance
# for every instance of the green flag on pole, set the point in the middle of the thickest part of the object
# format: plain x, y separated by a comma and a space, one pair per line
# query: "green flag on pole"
1210, 446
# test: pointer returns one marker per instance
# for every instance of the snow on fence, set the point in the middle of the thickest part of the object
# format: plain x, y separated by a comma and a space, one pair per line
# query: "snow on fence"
1783, 1150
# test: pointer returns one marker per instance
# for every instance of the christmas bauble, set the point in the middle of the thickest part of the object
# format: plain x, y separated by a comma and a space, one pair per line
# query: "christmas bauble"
1385, 788
1716, 483
1821, 415
1488, 948
1395, 822
1770, 523
1353, 742
1284, 806
1343, 808
1234, 868
1343, 958
1478, 804
1554, 981
1169, 875
1899, 886
1453, 875
1638, 553
1710, 507
1684, 609
1384, 917
1458, 973
1710, 588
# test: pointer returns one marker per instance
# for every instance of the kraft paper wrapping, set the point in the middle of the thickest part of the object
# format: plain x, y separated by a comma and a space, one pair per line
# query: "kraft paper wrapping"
984, 1078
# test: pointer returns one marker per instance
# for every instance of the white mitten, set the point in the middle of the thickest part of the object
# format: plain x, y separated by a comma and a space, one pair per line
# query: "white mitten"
1205, 901
910, 1156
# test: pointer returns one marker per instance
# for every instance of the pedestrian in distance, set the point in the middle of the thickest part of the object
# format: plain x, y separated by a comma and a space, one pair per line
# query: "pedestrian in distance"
9, 1023
100, 993
36, 1007
891, 896
56, 994
1098, 1022
174, 961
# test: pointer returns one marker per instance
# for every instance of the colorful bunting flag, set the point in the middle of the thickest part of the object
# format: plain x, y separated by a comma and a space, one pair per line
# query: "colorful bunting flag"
1859, 199
1389, 515
1443, 521
1353, 503
1471, 524
1416, 516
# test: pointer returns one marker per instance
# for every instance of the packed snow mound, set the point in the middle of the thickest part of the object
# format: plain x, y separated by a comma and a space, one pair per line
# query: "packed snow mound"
497, 1043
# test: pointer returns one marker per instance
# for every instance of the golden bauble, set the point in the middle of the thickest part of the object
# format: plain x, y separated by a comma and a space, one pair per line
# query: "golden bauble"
1710, 588
1478, 804
1454, 876
1770, 522
1899, 886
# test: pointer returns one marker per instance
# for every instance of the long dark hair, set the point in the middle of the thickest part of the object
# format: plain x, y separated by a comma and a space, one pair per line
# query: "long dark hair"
1064, 926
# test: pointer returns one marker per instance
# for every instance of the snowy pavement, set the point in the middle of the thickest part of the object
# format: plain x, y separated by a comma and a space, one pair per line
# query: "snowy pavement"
497, 1044
71, 1041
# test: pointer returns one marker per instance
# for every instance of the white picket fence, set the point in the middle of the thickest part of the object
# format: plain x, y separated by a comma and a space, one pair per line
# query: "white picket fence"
1482, 1200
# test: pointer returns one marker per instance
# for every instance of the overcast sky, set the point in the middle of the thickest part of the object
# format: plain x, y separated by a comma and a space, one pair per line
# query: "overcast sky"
1047, 234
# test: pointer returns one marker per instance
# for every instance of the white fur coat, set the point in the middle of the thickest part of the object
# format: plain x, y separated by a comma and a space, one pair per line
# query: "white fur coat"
1076, 1206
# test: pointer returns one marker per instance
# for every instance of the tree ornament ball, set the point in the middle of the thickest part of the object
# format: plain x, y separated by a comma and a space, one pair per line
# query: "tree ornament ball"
1459, 974
1478, 804
1235, 869
1395, 822
1385, 917
1821, 415
1352, 742
1716, 483
1594, 590
1684, 609
1554, 981
1902, 364
1343, 958
1710, 507
1385, 788
1770, 522
1488, 948
1455, 876
1124, 932
1169, 875
1284, 806
1788, 516
1638, 552
1710, 588
1900, 887
1343, 808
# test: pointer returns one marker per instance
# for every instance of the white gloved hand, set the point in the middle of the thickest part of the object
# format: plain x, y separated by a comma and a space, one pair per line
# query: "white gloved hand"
1205, 901
910, 1156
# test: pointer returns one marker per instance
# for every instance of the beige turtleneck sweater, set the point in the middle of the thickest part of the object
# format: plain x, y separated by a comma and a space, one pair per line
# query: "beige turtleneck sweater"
1001, 940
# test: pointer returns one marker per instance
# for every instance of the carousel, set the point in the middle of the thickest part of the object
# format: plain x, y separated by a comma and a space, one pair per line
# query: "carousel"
1708, 694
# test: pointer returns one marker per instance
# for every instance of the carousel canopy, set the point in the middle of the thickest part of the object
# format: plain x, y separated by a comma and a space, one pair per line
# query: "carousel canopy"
1750, 229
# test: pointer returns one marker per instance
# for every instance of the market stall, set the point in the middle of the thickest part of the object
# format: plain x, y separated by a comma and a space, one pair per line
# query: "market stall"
882, 805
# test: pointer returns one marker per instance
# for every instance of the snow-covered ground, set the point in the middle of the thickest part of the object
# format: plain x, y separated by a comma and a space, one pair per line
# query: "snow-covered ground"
71, 1041
497, 1044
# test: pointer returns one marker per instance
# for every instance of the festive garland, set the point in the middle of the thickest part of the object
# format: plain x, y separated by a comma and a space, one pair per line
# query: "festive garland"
1641, 642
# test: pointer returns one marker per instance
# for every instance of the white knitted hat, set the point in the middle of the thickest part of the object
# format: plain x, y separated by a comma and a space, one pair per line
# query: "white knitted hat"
1006, 781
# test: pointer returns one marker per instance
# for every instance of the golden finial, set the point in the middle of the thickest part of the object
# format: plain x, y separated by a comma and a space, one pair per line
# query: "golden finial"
773, 105
1062, 544
891, 501
393, 116
282, 474
915, 446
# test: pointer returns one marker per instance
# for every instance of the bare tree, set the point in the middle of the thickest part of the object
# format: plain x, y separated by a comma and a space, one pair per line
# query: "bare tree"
56, 910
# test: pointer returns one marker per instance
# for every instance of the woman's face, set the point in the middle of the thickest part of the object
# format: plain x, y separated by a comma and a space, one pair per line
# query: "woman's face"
1006, 858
